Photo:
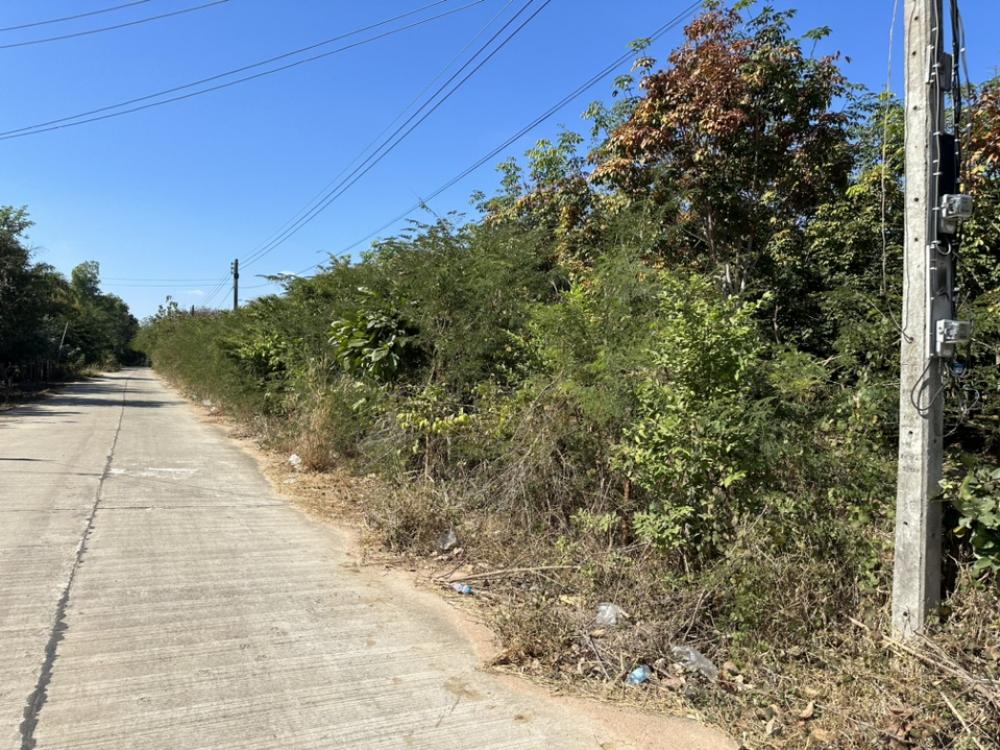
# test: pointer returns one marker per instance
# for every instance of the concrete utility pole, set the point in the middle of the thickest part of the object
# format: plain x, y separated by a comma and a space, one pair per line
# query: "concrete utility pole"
235, 268
916, 585
930, 331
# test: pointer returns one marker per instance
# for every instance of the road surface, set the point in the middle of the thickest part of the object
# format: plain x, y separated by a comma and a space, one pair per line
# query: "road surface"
156, 593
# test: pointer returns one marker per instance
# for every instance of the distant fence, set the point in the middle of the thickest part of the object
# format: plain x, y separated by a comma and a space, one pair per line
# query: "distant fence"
19, 375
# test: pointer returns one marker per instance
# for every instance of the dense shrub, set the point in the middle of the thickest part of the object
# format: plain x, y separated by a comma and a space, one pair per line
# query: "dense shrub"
678, 380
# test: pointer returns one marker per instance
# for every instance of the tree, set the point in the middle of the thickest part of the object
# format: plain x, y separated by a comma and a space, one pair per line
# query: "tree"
101, 327
739, 136
37, 304
31, 296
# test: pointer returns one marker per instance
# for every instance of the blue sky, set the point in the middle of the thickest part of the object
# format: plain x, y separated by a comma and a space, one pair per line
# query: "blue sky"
178, 191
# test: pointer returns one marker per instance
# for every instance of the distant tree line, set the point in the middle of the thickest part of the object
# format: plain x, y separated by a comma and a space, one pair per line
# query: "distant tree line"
51, 326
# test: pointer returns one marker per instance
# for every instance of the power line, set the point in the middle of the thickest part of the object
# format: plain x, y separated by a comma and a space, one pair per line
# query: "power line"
577, 92
378, 137
130, 285
73, 120
217, 76
220, 283
373, 160
228, 292
215, 291
115, 27
202, 280
73, 18
164, 283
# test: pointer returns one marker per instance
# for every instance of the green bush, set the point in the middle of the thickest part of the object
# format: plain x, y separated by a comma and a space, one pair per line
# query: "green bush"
680, 378
705, 417
977, 499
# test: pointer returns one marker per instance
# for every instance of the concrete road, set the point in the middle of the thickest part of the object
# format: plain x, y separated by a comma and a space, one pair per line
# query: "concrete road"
156, 593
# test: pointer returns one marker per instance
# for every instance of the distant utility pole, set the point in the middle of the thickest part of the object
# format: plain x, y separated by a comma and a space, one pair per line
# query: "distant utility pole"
235, 268
930, 331
62, 341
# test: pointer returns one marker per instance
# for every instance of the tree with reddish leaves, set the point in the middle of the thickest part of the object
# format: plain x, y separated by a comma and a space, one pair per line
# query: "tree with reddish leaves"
979, 268
738, 137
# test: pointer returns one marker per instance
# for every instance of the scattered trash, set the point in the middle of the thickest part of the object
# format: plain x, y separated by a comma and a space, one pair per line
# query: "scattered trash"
206, 402
571, 600
295, 460
639, 675
448, 541
609, 615
694, 661
462, 588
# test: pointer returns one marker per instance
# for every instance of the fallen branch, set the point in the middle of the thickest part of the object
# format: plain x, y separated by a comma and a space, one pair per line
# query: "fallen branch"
962, 721
506, 572
956, 672
597, 653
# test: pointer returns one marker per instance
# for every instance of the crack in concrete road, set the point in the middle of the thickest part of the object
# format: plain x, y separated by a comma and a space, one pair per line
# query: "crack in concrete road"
36, 701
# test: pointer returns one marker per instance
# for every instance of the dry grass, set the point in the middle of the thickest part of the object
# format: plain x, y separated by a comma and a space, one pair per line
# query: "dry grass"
836, 683
826, 678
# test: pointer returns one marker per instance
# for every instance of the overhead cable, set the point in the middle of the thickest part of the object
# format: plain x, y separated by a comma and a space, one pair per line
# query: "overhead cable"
388, 147
576, 93
123, 108
47, 21
88, 32
377, 139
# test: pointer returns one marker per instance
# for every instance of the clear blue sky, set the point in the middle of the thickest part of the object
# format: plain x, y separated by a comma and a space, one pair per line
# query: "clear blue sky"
176, 192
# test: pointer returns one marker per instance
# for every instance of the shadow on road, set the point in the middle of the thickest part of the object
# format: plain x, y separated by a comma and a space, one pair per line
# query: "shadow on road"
97, 392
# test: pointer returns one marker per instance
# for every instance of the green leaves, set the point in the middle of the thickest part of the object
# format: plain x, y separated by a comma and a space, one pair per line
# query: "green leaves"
37, 304
264, 354
818, 33
977, 499
702, 416
371, 344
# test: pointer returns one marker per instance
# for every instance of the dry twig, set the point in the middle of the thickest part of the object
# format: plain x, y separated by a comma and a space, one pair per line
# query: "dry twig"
507, 571
962, 721
950, 669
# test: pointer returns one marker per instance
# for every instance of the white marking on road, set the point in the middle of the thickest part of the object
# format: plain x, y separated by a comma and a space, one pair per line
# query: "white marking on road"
154, 471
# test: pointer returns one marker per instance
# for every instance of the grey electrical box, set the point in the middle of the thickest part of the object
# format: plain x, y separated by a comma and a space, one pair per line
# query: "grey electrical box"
951, 333
954, 210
